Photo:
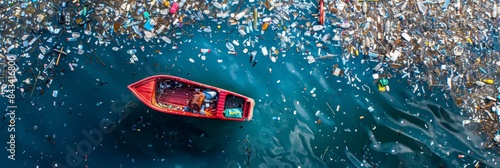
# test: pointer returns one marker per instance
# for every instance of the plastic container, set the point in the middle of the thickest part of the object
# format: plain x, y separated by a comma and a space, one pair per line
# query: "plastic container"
312, 91
71, 66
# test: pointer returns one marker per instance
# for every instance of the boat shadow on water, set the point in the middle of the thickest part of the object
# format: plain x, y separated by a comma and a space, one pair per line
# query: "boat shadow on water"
159, 135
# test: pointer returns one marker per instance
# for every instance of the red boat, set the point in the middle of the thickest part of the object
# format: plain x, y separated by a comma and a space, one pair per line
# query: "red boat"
175, 95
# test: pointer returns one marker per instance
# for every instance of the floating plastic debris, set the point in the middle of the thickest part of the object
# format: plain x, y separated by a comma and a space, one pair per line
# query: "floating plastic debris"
264, 51
449, 47
230, 46
370, 109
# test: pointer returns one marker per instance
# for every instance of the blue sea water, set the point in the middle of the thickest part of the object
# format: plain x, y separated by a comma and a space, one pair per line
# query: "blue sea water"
405, 129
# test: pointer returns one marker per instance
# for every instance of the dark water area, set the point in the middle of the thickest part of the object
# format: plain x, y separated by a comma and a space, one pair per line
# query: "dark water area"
405, 128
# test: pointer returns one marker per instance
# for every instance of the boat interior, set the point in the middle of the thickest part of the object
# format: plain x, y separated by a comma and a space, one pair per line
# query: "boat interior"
234, 102
176, 95
234, 106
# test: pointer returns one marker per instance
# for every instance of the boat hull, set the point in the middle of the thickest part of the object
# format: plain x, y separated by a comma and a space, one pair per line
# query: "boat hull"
179, 96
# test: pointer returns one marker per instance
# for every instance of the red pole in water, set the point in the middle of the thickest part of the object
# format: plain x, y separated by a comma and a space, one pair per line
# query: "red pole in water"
321, 19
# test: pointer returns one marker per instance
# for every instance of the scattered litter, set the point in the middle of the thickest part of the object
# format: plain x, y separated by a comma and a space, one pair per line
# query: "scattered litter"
230, 46
204, 50
370, 109
54, 93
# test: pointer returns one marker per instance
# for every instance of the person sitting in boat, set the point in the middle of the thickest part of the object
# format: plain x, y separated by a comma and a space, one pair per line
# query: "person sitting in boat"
195, 102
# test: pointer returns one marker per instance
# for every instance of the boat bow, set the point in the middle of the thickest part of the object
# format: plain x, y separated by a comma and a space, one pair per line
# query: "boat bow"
143, 89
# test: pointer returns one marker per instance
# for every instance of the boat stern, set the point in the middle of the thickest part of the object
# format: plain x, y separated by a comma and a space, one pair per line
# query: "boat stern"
251, 104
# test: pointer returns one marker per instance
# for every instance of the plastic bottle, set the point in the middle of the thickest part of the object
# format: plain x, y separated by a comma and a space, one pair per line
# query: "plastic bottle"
312, 91
230, 46
277, 118
488, 81
71, 66
99, 103
317, 27
264, 26
204, 50
132, 51
482, 70
70, 39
